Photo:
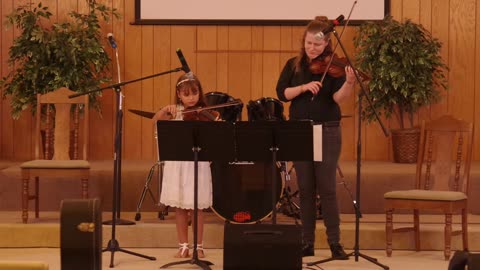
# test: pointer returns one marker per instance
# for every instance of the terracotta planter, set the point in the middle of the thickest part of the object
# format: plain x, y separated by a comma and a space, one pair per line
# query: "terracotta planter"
405, 145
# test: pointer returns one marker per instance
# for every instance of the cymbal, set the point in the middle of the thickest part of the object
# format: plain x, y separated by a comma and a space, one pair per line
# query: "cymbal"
142, 113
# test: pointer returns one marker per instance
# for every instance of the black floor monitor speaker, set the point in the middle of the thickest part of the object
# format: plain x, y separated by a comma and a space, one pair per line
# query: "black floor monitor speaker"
81, 234
262, 246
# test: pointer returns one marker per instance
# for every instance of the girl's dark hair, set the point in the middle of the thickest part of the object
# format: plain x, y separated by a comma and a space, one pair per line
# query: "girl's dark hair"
189, 83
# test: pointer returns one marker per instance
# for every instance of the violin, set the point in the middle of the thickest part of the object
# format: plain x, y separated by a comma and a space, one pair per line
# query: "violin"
206, 113
336, 69
203, 115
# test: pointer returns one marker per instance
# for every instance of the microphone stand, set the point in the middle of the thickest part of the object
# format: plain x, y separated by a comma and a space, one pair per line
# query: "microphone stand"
113, 244
117, 164
356, 252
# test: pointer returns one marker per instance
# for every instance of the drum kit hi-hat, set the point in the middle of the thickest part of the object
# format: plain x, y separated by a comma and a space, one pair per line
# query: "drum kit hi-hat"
241, 190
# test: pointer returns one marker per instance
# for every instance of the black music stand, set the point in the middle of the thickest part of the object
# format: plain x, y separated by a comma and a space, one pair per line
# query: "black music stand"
195, 141
272, 141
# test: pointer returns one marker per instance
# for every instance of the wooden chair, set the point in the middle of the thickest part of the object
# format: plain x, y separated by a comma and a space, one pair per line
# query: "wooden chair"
62, 127
442, 176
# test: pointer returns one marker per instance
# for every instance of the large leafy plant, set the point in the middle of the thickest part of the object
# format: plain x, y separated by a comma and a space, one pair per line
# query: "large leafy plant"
407, 71
47, 56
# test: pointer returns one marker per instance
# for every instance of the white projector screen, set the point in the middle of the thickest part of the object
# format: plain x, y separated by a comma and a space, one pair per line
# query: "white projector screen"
255, 11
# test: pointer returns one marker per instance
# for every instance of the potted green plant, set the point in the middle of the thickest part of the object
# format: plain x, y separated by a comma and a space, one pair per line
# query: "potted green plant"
407, 72
46, 56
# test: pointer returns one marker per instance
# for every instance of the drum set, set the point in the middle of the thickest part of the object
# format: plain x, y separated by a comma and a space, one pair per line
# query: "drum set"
241, 190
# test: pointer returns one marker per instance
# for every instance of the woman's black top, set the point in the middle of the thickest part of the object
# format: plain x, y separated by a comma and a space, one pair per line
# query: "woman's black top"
323, 107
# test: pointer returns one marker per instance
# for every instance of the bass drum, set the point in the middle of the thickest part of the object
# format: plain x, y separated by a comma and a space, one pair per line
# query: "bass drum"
242, 192
230, 113
266, 108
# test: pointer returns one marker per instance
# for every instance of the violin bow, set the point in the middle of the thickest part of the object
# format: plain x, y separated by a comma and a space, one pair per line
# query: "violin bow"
226, 104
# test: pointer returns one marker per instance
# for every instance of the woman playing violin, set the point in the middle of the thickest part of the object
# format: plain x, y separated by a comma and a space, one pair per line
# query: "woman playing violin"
318, 101
178, 176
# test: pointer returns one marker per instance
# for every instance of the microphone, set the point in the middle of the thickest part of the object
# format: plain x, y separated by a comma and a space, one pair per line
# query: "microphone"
185, 67
112, 40
320, 35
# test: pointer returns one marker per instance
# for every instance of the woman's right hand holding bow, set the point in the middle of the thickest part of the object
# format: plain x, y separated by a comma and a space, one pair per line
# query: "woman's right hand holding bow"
313, 87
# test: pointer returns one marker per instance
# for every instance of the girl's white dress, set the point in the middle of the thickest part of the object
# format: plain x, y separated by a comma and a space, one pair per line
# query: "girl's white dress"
177, 182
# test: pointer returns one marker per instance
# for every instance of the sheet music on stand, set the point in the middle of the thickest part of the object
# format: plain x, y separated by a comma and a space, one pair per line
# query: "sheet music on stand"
273, 141
215, 140
295, 140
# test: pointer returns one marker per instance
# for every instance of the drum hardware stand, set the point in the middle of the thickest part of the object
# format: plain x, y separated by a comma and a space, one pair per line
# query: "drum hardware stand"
356, 253
146, 188
290, 208
113, 245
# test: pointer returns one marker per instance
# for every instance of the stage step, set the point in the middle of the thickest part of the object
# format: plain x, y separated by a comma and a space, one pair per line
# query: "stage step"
151, 232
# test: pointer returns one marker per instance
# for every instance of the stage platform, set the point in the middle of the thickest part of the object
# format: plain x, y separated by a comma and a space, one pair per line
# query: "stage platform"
425, 260
151, 232
377, 177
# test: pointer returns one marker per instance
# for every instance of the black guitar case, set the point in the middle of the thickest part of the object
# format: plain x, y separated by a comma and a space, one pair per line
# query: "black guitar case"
81, 234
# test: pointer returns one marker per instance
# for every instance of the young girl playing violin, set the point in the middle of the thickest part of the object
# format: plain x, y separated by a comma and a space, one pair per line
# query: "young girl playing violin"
177, 183
317, 101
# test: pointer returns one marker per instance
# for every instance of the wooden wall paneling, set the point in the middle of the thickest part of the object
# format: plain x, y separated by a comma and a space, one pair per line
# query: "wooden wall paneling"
377, 146
133, 92
164, 90
240, 63
440, 30
52, 7
6, 127
64, 8
425, 20
271, 61
411, 10
83, 4
22, 147
288, 49
476, 145
206, 46
222, 58
348, 107
102, 129
182, 37
257, 67
2, 106
396, 9
147, 131
461, 61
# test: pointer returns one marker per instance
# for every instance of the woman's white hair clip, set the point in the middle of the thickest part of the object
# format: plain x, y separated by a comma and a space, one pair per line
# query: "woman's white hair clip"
319, 36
